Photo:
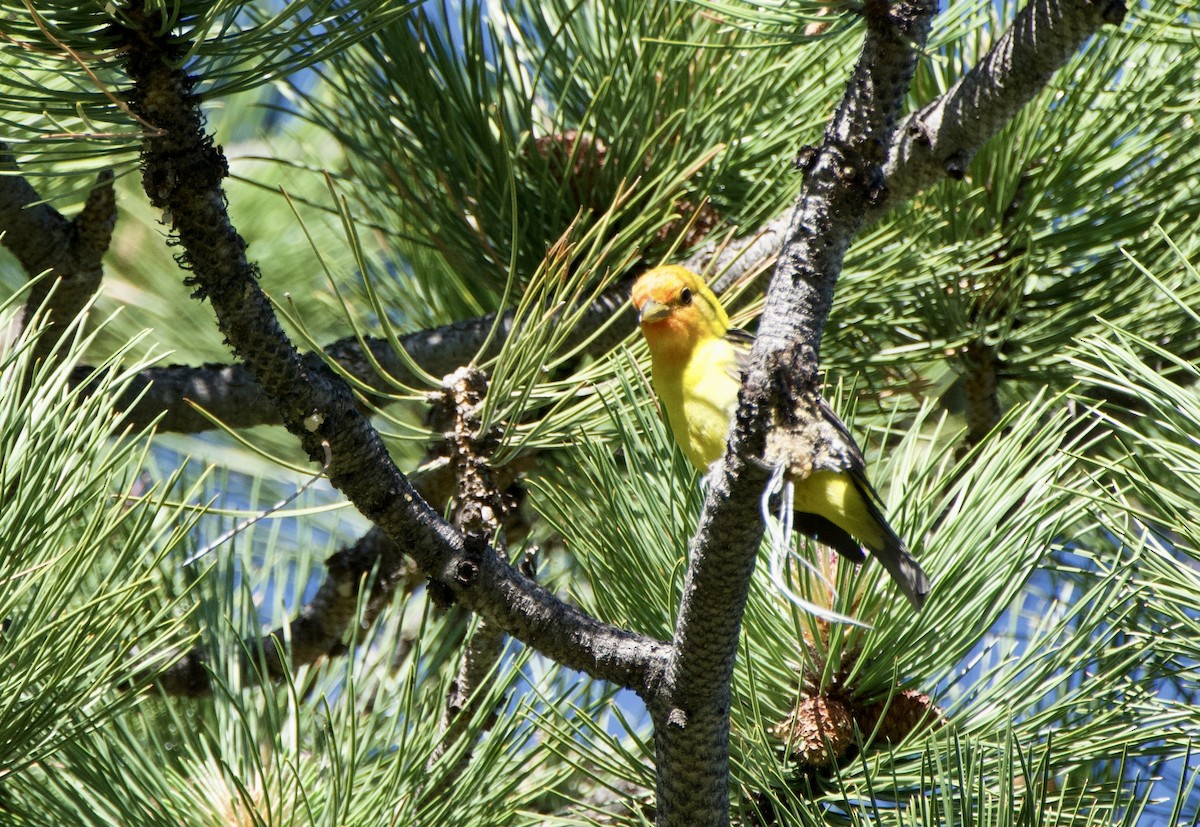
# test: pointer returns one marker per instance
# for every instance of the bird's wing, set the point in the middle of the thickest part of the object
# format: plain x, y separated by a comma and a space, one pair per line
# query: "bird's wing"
851, 458
891, 552
742, 342
845, 454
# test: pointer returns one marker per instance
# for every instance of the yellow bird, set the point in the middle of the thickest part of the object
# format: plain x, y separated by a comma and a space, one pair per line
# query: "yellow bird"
697, 361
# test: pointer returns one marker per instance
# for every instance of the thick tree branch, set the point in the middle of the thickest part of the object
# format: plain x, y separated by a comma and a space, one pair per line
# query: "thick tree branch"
230, 393
941, 138
43, 240
842, 181
182, 174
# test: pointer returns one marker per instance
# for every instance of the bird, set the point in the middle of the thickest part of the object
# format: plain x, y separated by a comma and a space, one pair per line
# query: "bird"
696, 363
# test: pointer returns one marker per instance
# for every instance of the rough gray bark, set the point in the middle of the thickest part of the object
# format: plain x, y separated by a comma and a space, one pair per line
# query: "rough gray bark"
43, 240
941, 138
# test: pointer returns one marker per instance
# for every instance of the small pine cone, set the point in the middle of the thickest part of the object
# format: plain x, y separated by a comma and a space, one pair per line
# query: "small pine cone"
908, 710
820, 730
578, 157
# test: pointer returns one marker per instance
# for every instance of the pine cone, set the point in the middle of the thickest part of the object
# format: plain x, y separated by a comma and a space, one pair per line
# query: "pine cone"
576, 158
819, 730
907, 711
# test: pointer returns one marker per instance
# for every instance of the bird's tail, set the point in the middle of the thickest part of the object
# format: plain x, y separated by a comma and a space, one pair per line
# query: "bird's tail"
903, 568
895, 557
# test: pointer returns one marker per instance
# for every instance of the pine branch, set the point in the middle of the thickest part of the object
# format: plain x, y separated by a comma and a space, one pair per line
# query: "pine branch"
843, 177
930, 144
44, 240
845, 188
182, 175
229, 392
940, 139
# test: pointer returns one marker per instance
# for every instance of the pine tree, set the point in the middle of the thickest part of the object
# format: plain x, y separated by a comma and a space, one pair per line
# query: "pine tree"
407, 232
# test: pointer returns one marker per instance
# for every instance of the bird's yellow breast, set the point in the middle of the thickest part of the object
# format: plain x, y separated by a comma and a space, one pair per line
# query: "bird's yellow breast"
696, 373
700, 397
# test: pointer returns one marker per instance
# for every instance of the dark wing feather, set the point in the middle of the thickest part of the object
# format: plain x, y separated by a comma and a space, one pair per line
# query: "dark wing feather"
740, 337
852, 453
893, 555
742, 342
826, 532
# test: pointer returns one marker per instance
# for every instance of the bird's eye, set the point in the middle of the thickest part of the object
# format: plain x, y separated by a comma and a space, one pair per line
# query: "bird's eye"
685, 296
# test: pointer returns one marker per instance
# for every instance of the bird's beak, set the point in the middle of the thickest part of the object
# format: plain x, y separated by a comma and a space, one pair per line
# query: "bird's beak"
652, 311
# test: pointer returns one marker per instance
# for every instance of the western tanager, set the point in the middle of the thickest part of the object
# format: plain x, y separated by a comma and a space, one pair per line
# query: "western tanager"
696, 366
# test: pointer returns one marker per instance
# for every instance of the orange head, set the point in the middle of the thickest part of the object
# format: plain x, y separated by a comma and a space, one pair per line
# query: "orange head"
676, 310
